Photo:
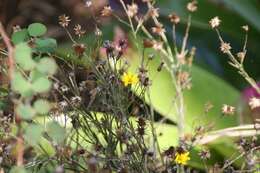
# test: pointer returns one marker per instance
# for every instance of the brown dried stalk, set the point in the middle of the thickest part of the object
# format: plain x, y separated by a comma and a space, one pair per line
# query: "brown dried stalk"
11, 63
10, 49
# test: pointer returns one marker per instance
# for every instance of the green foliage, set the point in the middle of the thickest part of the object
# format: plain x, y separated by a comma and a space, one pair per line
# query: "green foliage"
17, 169
21, 85
20, 36
41, 85
33, 134
41, 106
23, 56
56, 132
37, 29
47, 66
25, 111
45, 45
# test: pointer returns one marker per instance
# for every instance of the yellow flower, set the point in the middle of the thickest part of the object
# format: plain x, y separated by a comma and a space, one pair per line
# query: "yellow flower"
129, 79
182, 158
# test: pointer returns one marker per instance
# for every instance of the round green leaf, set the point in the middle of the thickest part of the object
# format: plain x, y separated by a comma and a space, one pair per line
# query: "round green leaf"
35, 74
56, 132
46, 45
41, 106
18, 169
20, 36
33, 133
25, 111
23, 56
47, 66
41, 85
21, 85
37, 29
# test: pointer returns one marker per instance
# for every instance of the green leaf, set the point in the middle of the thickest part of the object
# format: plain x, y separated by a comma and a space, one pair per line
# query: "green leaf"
20, 36
23, 56
41, 85
25, 111
56, 132
47, 66
35, 74
33, 133
41, 106
45, 45
21, 85
17, 169
37, 29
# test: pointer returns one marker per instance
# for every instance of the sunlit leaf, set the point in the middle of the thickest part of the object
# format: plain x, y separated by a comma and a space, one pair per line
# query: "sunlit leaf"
37, 29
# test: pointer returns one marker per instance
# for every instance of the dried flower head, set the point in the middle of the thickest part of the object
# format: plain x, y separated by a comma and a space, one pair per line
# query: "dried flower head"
75, 100
174, 18
215, 22
64, 88
254, 102
241, 56
132, 10
64, 20
153, 12
225, 47
88, 3
78, 30
158, 45
106, 12
158, 29
129, 79
63, 104
192, 6
228, 110
204, 154
182, 157
98, 32
245, 27
16, 28
79, 49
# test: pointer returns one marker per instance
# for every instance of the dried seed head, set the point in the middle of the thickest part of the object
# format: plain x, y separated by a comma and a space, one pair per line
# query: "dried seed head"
79, 49
192, 6
64, 88
225, 47
132, 10
245, 27
204, 154
88, 3
64, 20
215, 22
158, 29
16, 28
158, 45
63, 105
153, 12
106, 12
241, 56
174, 18
228, 110
78, 30
169, 152
254, 103
98, 32
76, 100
